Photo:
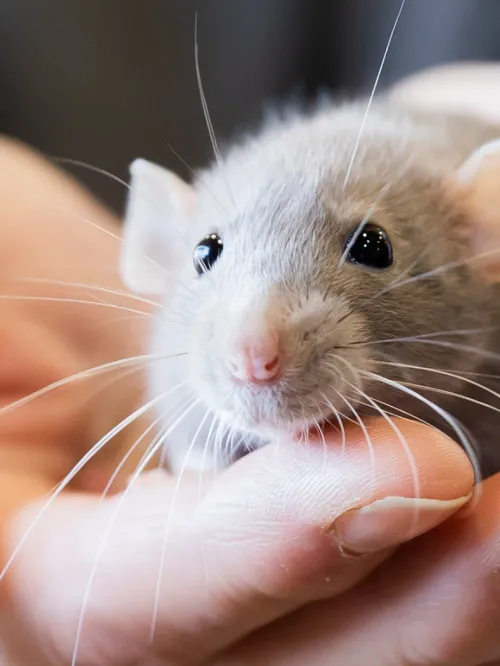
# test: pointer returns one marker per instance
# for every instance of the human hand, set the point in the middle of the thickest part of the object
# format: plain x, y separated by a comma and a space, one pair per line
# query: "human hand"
253, 566
434, 602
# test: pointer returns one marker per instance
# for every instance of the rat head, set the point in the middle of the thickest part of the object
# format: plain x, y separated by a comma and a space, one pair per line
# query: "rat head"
291, 287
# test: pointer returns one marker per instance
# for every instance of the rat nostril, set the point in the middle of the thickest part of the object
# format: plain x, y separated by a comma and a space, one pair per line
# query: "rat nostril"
256, 363
271, 366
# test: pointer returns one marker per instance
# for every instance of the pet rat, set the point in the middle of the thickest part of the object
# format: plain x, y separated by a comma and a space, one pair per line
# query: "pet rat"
334, 263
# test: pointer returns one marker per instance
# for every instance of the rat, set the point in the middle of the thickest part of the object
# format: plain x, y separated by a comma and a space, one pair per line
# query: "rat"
332, 264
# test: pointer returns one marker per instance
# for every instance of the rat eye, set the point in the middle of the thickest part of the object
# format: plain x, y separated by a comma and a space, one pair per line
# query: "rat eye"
371, 247
207, 252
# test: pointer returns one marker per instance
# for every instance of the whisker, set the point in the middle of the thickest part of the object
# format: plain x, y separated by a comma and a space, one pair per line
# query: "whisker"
405, 271
407, 416
76, 301
445, 373
448, 418
369, 442
194, 174
112, 176
441, 269
75, 215
406, 449
80, 465
202, 94
205, 452
439, 343
184, 401
173, 503
82, 285
217, 447
100, 325
93, 570
425, 336
335, 412
204, 104
85, 374
141, 467
91, 167
375, 86
126, 457
452, 394
322, 435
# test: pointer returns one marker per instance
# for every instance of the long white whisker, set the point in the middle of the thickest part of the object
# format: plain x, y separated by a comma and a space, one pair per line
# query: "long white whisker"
404, 272
84, 374
401, 413
467, 348
406, 449
126, 457
75, 215
79, 466
445, 373
93, 287
153, 449
185, 400
204, 105
452, 394
375, 86
206, 447
200, 480
217, 449
91, 167
193, 173
440, 269
76, 301
425, 336
448, 418
202, 94
169, 524
335, 412
368, 439
93, 570
322, 435
103, 172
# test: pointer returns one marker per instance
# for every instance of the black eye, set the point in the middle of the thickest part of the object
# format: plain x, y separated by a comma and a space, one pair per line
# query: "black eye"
207, 252
371, 247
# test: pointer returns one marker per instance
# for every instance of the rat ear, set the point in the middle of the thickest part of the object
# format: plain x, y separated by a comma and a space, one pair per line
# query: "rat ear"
154, 227
479, 181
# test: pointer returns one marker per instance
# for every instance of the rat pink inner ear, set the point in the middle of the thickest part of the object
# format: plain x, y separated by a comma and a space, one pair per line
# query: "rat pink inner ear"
478, 182
155, 228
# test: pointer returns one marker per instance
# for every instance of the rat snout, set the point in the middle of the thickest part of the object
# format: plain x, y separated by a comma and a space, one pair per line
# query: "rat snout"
254, 355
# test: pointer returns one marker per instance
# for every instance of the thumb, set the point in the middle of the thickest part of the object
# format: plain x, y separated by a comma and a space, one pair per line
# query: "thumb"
287, 525
290, 524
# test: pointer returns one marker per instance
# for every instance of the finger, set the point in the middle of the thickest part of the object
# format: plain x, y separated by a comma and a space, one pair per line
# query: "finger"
286, 525
436, 602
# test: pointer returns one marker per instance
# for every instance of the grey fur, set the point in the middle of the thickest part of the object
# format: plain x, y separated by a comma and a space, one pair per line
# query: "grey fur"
279, 202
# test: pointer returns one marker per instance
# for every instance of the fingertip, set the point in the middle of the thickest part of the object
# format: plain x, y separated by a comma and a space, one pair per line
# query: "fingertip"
419, 458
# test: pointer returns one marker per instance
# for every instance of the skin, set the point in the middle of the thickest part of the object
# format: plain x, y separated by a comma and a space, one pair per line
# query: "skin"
267, 562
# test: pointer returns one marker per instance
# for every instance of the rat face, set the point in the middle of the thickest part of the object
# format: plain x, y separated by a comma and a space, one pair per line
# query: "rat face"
305, 276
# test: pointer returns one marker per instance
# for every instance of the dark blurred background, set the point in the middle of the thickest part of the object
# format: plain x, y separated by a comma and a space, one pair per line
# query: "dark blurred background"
105, 81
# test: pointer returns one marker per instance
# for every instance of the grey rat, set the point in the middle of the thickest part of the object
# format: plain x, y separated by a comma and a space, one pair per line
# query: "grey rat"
277, 312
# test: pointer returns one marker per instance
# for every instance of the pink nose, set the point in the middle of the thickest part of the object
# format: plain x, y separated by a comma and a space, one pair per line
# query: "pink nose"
257, 361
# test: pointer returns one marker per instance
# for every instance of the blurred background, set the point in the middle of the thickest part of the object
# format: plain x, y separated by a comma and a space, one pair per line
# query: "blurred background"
105, 81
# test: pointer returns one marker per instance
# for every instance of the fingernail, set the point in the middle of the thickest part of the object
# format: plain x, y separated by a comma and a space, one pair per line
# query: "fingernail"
391, 521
